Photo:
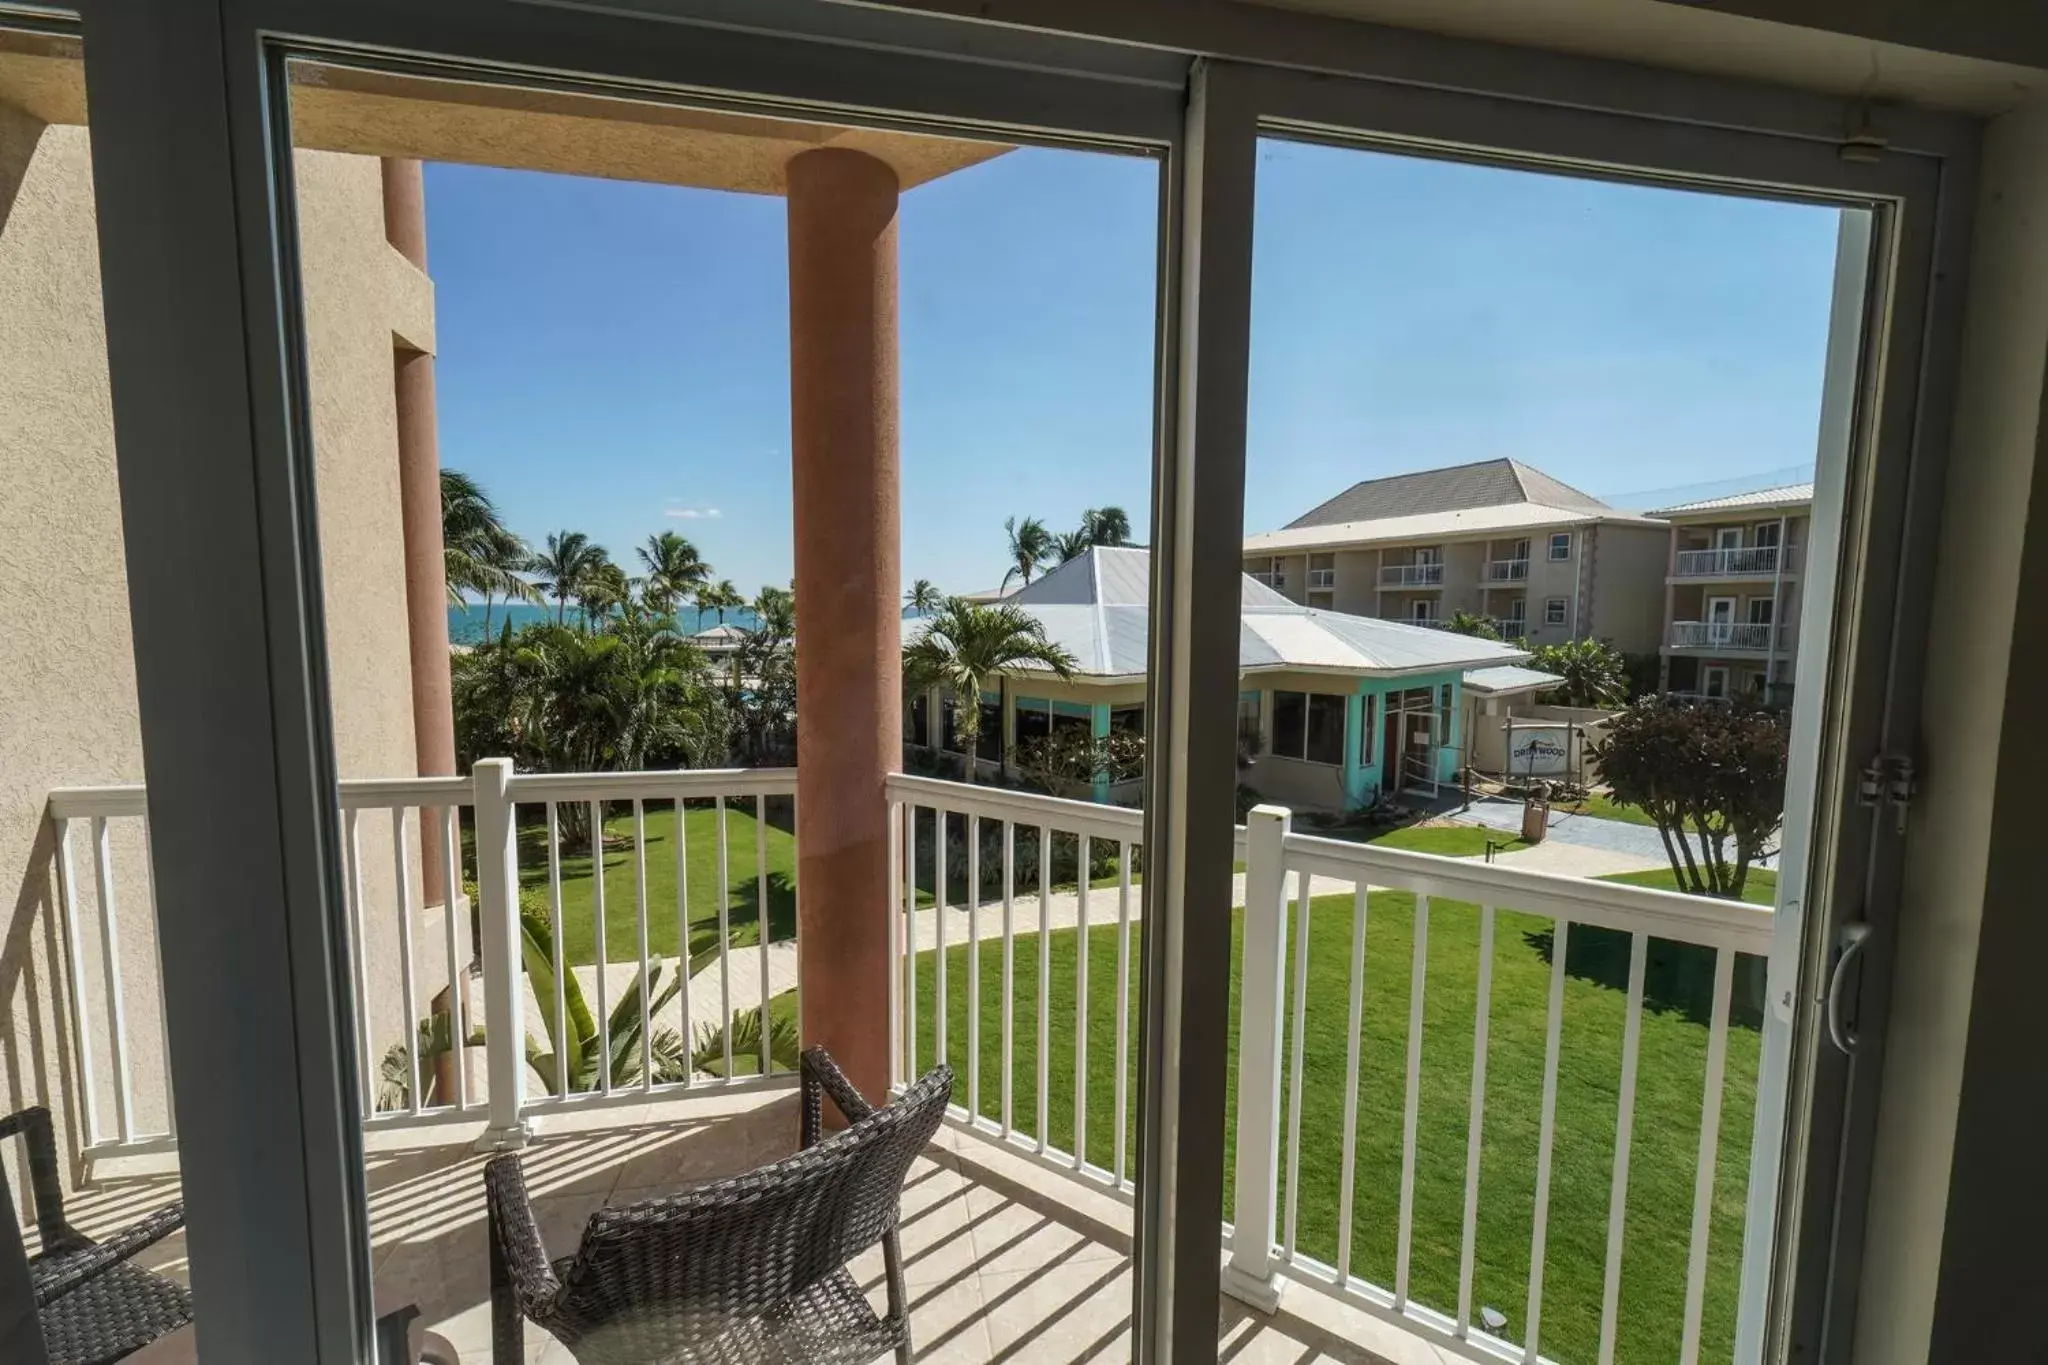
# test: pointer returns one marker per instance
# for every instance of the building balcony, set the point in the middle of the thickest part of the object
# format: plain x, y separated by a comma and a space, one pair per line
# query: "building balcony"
1412, 576
1276, 581
1507, 570
1754, 561
1014, 926
1729, 637
1322, 578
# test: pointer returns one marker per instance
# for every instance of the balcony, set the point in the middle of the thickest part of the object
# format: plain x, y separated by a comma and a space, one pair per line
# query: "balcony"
1507, 570
1511, 627
1412, 576
1729, 637
1754, 561
1277, 581
1015, 927
1322, 578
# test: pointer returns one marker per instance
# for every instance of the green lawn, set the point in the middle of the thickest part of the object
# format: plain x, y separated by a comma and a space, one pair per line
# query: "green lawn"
1670, 1078
1449, 841
700, 864
1603, 807
1761, 888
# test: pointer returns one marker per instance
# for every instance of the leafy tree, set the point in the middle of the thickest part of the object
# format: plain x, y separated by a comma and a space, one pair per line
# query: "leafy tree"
582, 1057
1465, 623
565, 567
775, 612
965, 644
1030, 546
1593, 671
606, 589
1069, 545
1716, 770
923, 599
1067, 761
1106, 526
674, 571
761, 697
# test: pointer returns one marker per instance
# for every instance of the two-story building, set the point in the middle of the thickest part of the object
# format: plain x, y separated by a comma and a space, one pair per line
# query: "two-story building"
1731, 599
1541, 560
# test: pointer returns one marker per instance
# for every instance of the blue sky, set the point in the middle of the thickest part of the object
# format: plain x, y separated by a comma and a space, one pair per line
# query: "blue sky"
613, 357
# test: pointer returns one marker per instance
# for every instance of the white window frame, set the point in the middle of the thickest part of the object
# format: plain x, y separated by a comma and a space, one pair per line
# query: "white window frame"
1556, 611
1728, 537
1708, 673
1558, 553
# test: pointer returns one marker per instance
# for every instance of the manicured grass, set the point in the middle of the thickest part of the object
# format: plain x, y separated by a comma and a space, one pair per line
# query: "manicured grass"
1760, 888
743, 882
1604, 807
1449, 841
1667, 1109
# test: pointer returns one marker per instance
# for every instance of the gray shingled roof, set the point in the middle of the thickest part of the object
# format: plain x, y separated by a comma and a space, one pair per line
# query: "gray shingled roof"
1097, 607
1489, 483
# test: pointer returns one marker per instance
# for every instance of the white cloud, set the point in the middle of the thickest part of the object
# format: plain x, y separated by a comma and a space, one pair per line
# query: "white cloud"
693, 513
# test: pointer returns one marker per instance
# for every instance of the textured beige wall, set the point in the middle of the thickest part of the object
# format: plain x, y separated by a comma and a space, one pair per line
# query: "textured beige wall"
1626, 567
68, 711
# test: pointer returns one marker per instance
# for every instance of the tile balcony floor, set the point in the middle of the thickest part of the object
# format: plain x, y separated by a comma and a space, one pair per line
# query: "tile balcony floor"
1004, 1261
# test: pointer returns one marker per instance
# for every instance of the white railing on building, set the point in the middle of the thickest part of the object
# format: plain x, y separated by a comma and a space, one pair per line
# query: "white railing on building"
1411, 575
411, 956
1733, 562
1322, 578
1731, 635
1264, 1248
1506, 570
1511, 627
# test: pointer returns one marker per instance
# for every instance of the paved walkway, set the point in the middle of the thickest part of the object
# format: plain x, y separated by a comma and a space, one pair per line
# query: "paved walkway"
1587, 831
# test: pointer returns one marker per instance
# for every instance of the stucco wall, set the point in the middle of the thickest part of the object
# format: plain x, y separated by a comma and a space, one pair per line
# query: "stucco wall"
1626, 570
68, 714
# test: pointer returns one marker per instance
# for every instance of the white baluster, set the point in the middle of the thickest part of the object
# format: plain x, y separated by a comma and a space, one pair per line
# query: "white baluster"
497, 866
1250, 1276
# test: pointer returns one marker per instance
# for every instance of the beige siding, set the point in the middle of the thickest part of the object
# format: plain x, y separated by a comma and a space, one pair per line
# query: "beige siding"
67, 680
1626, 566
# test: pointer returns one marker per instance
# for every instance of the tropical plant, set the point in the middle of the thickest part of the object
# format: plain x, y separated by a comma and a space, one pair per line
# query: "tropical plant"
394, 1072
775, 612
565, 567
480, 555
1106, 526
580, 1058
1708, 773
606, 590
707, 1050
1069, 760
1466, 623
1030, 545
964, 644
761, 699
1069, 545
1593, 671
923, 599
720, 597
674, 571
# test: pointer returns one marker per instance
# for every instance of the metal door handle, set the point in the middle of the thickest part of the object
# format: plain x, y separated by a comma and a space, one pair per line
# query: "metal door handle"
1853, 936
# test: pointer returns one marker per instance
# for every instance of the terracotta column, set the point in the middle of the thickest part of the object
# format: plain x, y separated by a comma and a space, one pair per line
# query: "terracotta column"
843, 400
419, 502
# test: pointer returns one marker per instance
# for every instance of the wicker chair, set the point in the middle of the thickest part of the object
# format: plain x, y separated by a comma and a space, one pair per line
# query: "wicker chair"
92, 1305
748, 1269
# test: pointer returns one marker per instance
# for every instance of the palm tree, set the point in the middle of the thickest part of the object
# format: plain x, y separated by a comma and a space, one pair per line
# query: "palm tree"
565, 568
720, 597
674, 571
1594, 672
481, 555
923, 599
1030, 546
604, 590
1106, 526
1465, 623
965, 644
1070, 545
775, 612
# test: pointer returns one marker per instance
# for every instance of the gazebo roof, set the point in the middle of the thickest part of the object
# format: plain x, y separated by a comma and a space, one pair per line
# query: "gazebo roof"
1097, 606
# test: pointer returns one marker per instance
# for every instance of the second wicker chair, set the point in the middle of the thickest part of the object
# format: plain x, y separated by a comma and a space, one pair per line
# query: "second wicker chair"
748, 1269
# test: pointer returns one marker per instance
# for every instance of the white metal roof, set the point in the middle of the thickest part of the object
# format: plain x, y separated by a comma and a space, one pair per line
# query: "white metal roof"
1506, 678
1096, 607
1495, 520
1785, 495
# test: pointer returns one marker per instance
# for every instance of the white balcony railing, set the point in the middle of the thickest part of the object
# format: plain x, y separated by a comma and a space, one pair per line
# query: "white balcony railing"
1506, 570
1273, 580
1734, 636
1412, 575
1322, 578
1003, 892
1736, 562
1511, 627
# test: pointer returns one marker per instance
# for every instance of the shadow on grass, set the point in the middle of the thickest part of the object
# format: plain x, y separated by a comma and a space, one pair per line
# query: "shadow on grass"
1678, 978
743, 919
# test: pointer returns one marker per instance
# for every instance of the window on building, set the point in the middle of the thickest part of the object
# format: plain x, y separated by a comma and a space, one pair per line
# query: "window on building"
1062, 723
1034, 719
1250, 721
1443, 729
1309, 726
1561, 545
989, 743
1760, 609
1553, 611
948, 739
1714, 681
1368, 712
1765, 535
1131, 718
919, 717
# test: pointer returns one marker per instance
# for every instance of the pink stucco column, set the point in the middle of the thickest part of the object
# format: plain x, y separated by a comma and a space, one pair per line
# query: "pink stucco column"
419, 503
843, 404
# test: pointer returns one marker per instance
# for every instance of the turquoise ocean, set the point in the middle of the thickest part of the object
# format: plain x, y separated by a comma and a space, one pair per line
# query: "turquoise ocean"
466, 622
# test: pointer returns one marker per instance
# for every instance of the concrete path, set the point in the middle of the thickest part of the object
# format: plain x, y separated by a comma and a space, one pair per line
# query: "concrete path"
1587, 831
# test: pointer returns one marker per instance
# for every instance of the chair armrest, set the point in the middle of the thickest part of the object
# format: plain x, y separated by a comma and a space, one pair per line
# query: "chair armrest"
33, 1126
517, 1253
71, 1269
822, 1077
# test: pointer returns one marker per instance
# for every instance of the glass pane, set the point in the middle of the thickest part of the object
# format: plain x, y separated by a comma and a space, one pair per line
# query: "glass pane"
87, 1129
1451, 363
711, 423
